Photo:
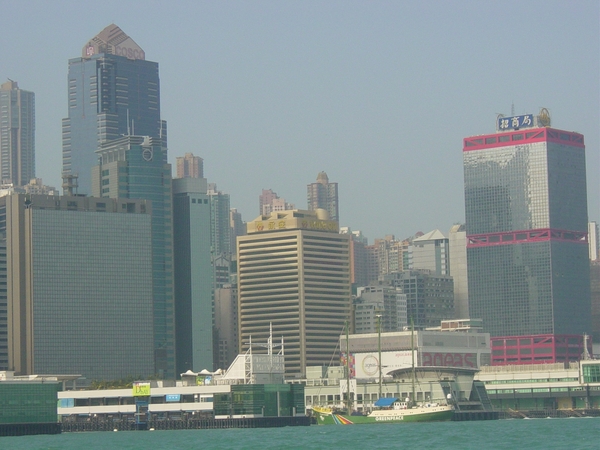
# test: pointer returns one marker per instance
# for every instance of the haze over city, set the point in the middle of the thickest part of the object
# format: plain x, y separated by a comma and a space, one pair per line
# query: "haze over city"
377, 94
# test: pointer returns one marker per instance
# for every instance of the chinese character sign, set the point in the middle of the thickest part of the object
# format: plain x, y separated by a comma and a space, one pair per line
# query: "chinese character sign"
515, 122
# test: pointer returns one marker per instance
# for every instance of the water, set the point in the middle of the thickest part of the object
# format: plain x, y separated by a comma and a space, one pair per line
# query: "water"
571, 434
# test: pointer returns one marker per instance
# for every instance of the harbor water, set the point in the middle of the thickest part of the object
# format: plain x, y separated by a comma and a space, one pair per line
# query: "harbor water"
571, 434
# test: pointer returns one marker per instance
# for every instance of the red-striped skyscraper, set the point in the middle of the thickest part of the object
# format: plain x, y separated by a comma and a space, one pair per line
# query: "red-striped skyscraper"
526, 221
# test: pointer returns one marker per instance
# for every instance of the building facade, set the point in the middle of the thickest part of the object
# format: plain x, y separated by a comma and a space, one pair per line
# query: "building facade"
429, 297
379, 307
193, 275
526, 219
593, 240
226, 325
190, 166
77, 286
457, 246
17, 134
538, 349
221, 235
135, 167
113, 92
595, 298
358, 258
431, 252
385, 256
269, 202
294, 273
431, 348
324, 195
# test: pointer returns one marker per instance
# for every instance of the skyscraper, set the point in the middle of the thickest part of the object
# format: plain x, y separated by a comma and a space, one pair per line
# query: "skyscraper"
324, 195
194, 280
76, 291
294, 273
526, 220
136, 167
17, 134
190, 166
113, 92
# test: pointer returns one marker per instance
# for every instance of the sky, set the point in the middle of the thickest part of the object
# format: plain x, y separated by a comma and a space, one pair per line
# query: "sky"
378, 94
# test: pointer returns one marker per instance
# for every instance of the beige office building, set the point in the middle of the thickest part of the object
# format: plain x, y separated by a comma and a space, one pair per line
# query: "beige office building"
294, 273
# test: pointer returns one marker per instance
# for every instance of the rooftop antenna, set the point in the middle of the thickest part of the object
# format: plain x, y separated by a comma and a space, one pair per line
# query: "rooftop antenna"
128, 126
512, 109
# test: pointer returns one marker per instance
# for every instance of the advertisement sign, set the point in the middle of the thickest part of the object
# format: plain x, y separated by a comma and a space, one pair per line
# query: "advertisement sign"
141, 389
367, 364
268, 364
449, 359
203, 380
173, 398
293, 224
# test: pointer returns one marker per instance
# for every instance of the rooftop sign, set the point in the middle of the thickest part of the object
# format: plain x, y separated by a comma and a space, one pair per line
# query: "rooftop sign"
514, 122
292, 223
114, 41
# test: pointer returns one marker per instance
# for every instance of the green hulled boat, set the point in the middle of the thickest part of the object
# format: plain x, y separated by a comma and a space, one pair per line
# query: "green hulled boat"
390, 410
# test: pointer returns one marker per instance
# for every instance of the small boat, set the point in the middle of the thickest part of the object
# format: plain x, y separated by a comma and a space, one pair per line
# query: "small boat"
388, 410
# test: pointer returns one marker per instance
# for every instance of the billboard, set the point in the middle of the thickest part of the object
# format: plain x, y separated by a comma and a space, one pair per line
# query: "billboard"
141, 389
367, 364
449, 359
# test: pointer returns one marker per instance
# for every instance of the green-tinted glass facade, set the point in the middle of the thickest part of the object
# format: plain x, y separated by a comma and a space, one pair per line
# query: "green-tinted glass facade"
193, 275
28, 402
136, 167
591, 373
270, 400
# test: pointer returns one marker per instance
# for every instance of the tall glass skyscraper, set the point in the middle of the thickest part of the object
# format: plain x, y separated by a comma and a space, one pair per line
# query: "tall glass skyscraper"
136, 167
526, 223
194, 275
113, 92
17, 134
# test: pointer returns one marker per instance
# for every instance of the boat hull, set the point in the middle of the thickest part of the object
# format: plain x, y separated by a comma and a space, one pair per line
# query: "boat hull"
327, 417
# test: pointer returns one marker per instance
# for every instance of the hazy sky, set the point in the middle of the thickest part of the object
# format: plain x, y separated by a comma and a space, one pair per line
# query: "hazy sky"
378, 94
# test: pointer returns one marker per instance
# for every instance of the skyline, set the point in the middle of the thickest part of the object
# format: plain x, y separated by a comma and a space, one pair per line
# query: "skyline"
378, 95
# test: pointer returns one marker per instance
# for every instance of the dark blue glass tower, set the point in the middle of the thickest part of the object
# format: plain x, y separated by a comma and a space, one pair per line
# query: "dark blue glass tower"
115, 142
113, 92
